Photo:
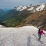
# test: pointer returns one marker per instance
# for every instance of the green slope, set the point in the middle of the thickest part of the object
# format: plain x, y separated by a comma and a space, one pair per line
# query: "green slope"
14, 21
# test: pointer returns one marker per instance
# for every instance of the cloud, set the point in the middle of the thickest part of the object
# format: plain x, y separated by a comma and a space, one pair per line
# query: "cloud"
13, 3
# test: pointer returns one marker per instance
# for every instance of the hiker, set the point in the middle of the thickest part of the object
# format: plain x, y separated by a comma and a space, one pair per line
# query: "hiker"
40, 32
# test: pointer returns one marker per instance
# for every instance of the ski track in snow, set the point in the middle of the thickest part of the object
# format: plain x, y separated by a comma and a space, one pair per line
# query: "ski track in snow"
23, 36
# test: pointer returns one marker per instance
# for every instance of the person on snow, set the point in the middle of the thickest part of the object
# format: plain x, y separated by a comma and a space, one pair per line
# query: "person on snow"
40, 32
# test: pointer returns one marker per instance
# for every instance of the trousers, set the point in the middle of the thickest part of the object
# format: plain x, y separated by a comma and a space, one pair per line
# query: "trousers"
39, 35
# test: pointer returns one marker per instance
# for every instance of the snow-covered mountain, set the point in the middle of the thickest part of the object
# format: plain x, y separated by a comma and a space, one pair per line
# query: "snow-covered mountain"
20, 8
23, 36
41, 7
31, 7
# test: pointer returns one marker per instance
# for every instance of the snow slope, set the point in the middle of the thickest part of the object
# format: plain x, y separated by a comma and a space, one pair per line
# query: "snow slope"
23, 36
2, 26
41, 7
20, 8
30, 8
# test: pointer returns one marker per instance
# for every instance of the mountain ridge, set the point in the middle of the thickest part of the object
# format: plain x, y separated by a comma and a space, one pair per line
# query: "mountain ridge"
26, 15
31, 7
36, 19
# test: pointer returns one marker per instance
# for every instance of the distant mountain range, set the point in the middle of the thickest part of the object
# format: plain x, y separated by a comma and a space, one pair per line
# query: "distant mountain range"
26, 15
31, 7
1, 12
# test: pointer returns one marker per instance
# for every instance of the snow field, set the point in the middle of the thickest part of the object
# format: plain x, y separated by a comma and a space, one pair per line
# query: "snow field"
23, 36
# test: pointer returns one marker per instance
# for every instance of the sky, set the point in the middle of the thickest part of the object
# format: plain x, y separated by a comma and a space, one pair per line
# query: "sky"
9, 4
